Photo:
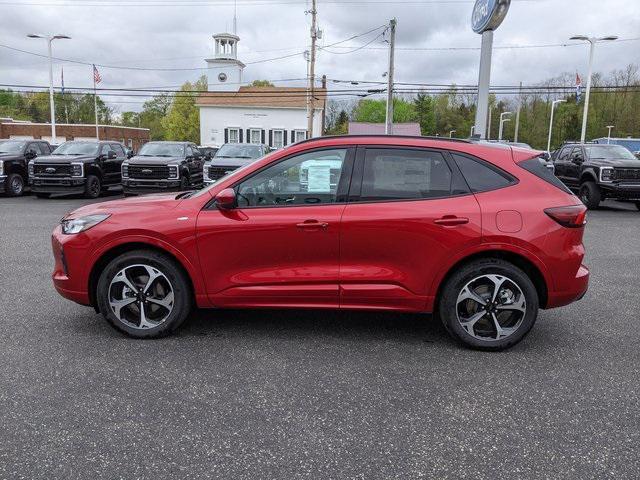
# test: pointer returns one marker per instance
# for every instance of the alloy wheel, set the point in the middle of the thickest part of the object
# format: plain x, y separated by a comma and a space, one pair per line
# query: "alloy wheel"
94, 188
141, 296
491, 307
17, 185
584, 195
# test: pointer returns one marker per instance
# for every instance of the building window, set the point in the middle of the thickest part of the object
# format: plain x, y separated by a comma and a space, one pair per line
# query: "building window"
233, 135
255, 135
299, 135
278, 139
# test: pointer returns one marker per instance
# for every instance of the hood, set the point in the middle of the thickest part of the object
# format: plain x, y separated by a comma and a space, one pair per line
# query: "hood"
158, 202
139, 160
229, 162
621, 163
10, 156
64, 158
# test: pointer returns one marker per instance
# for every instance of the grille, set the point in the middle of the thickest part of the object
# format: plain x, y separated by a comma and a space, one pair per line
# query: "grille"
627, 174
149, 172
219, 171
45, 170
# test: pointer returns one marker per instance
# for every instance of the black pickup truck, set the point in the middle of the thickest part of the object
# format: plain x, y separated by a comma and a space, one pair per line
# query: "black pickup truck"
230, 157
599, 171
163, 166
14, 158
86, 167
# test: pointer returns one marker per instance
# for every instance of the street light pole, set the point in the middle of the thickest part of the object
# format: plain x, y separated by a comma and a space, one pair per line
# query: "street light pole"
502, 120
50, 40
473, 130
553, 107
592, 41
609, 127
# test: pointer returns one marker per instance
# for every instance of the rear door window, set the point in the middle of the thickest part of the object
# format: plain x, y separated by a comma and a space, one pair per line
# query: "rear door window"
405, 174
480, 175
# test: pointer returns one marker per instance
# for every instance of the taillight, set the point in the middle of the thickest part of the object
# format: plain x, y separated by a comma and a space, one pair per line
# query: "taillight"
574, 216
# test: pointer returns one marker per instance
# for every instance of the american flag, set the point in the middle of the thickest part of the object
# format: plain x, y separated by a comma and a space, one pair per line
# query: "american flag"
96, 75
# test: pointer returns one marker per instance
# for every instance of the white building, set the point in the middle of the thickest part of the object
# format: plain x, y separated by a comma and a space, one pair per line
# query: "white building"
232, 113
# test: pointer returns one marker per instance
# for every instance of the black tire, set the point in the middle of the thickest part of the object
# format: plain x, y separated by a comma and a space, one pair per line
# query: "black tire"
590, 195
184, 183
92, 187
43, 195
15, 185
182, 295
448, 304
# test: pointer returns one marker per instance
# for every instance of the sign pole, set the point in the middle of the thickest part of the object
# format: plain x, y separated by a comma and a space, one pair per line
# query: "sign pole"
484, 79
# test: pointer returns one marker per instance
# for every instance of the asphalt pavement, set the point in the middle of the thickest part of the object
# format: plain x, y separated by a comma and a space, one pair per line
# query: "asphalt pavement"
305, 394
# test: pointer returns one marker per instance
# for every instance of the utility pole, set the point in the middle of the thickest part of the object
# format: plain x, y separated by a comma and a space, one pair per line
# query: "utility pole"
392, 45
312, 68
515, 133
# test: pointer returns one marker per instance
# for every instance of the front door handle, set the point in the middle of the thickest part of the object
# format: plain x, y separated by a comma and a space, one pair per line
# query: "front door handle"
451, 221
312, 225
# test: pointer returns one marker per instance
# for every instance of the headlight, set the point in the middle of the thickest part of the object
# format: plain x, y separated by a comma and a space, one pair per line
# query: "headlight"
606, 174
76, 225
173, 171
77, 169
125, 170
30, 168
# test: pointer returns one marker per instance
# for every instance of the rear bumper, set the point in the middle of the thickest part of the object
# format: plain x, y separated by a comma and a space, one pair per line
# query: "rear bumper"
57, 185
578, 288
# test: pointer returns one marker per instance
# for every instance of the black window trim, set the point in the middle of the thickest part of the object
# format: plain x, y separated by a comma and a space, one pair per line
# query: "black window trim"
341, 193
355, 192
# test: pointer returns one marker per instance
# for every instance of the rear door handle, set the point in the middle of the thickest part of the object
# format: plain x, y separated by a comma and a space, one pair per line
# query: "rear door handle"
312, 225
451, 221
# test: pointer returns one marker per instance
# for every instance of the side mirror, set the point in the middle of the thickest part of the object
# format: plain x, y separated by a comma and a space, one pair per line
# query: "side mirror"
208, 156
577, 160
130, 153
30, 154
111, 155
226, 199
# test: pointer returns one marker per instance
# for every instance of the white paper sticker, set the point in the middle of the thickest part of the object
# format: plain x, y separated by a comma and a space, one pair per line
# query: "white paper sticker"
319, 178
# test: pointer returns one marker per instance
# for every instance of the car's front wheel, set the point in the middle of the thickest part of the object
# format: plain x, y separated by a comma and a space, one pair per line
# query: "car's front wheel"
92, 187
489, 304
15, 185
144, 294
590, 195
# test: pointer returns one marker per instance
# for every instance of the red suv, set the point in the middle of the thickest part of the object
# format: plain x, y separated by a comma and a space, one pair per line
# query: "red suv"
483, 235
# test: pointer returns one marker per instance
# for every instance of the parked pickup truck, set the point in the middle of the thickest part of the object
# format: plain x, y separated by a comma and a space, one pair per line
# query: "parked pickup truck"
599, 171
14, 158
85, 167
163, 166
230, 157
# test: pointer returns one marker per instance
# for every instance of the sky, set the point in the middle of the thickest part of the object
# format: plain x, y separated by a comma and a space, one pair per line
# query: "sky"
435, 43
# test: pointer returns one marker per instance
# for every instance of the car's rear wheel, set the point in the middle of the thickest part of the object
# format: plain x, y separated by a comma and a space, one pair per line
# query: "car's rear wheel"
92, 187
590, 195
15, 185
144, 294
489, 304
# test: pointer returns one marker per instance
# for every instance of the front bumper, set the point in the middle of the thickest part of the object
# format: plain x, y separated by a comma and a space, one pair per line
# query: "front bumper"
57, 185
136, 186
71, 284
626, 191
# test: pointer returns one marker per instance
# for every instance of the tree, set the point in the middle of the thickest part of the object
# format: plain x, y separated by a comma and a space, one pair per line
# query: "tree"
425, 113
374, 111
183, 120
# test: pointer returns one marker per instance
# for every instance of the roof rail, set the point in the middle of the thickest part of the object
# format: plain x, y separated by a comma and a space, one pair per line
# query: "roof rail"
412, 137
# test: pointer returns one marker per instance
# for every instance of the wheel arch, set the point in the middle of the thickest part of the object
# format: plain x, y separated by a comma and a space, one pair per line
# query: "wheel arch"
519, 260
588, 176
117, 250
94, 170
19, 169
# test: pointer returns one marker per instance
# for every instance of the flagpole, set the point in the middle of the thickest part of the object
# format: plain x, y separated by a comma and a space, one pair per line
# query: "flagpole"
95, 101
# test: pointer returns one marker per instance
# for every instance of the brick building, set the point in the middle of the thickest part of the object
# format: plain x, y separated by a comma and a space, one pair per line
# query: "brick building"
130, 136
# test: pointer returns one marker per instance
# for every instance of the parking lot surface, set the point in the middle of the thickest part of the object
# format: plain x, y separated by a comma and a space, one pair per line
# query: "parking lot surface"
303, 394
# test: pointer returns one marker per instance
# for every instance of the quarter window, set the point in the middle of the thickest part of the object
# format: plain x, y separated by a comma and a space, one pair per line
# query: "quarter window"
480, 176
397, 174
308, 179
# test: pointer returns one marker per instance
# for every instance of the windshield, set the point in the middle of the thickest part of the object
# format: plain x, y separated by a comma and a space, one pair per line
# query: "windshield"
605, 152
238, 150
76, 148
162, 150
11, 146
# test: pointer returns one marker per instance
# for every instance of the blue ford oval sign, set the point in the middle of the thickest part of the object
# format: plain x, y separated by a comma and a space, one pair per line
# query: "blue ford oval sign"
488, 14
